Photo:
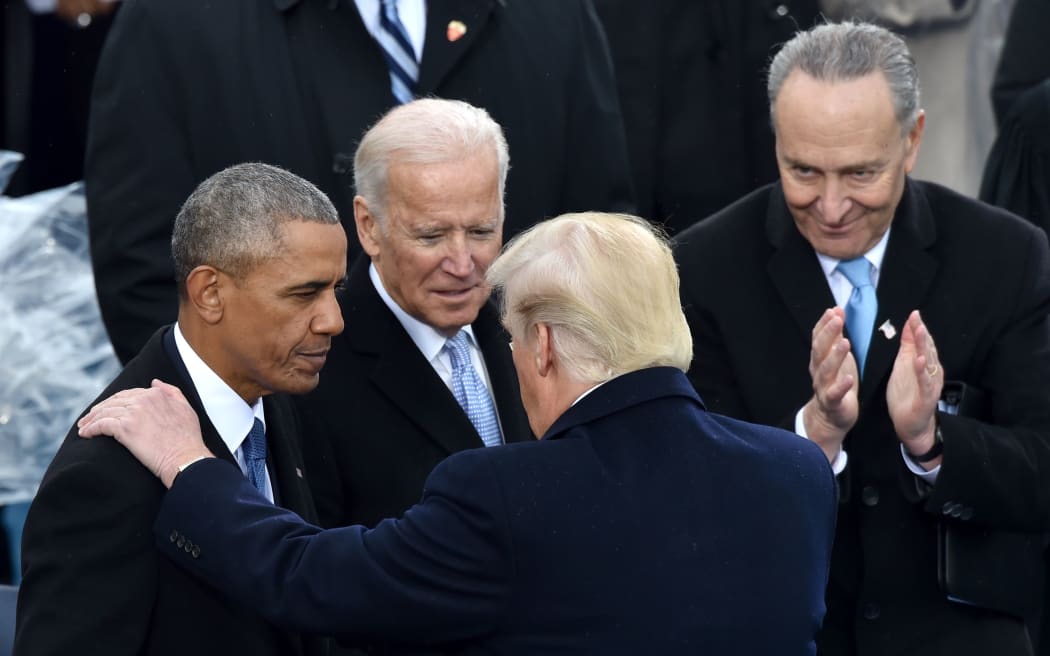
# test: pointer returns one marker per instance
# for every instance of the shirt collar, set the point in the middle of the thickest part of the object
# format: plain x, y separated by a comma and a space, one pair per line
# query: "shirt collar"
228, 413
875, 256
426, 338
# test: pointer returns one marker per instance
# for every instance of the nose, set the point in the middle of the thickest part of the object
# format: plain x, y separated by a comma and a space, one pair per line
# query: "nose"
459, 259
329, 319
834, 202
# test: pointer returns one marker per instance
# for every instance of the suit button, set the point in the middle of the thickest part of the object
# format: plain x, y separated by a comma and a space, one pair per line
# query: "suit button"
181, 541
966, 514
869, 495
871, 611
188, 546
196, 551
947, 508
174, 535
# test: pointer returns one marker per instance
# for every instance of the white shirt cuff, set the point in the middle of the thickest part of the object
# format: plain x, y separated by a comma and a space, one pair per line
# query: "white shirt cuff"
838, 465
917, 469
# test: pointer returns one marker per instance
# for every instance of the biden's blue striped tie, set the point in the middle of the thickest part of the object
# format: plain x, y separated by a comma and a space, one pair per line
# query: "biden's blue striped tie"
397, 50
471, 392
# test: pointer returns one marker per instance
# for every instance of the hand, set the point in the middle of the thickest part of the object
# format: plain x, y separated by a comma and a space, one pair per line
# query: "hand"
156, 424
833, 410
915, 387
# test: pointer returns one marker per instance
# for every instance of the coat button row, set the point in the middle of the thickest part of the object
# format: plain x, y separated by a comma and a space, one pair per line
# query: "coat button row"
182, 543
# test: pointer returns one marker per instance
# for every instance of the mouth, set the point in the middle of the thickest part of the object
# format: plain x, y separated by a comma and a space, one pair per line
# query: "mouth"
456, 294
315, 358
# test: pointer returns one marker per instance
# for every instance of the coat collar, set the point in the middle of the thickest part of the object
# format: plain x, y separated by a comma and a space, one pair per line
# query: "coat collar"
622, 392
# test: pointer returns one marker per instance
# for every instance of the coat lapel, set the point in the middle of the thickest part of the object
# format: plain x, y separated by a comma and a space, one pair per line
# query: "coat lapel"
493, 341
441, 51
399, 370
907, 272
794, 269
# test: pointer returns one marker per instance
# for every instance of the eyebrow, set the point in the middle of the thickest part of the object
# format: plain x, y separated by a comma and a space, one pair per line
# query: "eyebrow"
312, 285
858, 166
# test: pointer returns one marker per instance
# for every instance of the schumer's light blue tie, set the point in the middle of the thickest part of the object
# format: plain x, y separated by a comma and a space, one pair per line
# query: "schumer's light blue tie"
397, 50
254, 448
861, 307
471, 392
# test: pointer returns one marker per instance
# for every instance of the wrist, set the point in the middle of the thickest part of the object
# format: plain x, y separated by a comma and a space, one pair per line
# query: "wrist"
928, 451
181, 465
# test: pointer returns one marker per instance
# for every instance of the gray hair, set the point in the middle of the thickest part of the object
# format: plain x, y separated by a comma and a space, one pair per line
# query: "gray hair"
846, 51
232, 220
425, 131
607, 287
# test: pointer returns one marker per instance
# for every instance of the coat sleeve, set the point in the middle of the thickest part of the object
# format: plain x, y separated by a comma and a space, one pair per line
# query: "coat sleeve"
137, 174
439, 574
997, 466
89, 565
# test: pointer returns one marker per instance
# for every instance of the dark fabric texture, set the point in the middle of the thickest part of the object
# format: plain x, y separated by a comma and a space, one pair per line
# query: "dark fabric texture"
639, 524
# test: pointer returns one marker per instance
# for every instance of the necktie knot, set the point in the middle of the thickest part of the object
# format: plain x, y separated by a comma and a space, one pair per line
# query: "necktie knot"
857, 271
470, 391
254, 450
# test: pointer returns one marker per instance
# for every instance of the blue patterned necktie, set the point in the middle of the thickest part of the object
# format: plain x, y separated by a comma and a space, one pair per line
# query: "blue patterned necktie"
470, 392
861, 307
398, 52
254, 449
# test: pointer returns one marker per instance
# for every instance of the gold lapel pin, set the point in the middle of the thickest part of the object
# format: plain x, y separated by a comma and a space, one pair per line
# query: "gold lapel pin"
456, 29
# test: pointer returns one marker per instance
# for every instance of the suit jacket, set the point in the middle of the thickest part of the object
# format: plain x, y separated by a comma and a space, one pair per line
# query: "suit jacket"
185, 89
381, 418
981, 278
613, 534
93, 583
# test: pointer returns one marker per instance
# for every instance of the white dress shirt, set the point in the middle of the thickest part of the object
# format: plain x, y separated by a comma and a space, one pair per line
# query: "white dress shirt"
227, 411
412, 13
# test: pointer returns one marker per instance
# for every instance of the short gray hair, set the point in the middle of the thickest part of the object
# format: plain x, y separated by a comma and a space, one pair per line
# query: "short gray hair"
605, 284
846, 51
425, 131
232, 220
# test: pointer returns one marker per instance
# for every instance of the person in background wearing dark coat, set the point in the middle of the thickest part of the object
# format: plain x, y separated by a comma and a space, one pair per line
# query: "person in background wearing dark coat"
429, 212
638, 523
258, 253
187, 88
691, 78
902, 327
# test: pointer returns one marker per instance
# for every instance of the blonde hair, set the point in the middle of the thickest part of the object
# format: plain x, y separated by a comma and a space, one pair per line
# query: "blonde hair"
605, 284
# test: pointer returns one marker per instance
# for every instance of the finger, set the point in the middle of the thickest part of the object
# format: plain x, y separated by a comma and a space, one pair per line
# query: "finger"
169, 390
105, 425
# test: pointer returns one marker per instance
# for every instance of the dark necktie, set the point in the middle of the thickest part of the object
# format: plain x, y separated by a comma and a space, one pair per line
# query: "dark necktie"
398, 52
254, 448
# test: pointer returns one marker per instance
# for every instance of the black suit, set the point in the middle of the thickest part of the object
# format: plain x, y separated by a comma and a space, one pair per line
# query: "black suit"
381, 419
93, 583
187, 88
753, 290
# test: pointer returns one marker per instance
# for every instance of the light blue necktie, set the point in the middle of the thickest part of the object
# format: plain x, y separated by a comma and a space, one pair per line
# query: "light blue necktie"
398, 52
470, 392
254, 448
861, 307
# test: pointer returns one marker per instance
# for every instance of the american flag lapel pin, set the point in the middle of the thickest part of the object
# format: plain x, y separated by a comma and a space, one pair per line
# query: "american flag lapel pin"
298, 472
887, 329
